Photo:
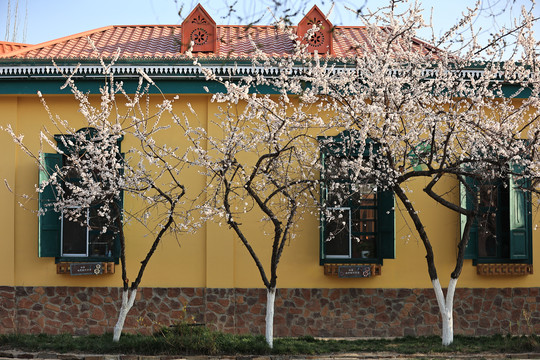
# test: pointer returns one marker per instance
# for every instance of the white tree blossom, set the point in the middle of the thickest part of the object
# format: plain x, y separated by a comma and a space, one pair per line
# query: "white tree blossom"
260, 168
96, 173
433, 111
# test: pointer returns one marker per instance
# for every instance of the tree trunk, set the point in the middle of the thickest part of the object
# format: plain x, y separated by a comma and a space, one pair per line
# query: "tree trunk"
446, 307
270, 298
128, 298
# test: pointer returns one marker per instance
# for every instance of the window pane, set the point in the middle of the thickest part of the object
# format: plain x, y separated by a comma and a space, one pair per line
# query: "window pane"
338, 194
365, 195
364, 220
73, 172
493, 222
101, 237
334, 168
487, 236
100, 244
337, 233
364, 247
487, 229
518, 207
488, 197
73, 238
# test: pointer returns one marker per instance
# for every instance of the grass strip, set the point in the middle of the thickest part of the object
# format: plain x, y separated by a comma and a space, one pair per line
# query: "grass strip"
198, 340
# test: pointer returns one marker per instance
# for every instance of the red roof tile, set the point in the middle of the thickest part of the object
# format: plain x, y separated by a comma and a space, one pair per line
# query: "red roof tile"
236, 41
163, 41
6, 46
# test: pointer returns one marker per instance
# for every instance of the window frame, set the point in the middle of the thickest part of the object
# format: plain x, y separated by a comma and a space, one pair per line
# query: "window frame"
340, 146
519, 231
50, 223
349, 232
62, 237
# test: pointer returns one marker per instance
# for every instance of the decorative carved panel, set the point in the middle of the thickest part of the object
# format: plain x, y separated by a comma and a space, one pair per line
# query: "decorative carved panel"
201, 30
334, 269
504, 269
321, 40
92, 268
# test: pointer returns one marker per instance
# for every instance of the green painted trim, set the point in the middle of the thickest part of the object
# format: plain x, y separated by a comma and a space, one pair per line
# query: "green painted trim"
52, 86
502, 261
167, 86
510, 90
83, 259
351, 261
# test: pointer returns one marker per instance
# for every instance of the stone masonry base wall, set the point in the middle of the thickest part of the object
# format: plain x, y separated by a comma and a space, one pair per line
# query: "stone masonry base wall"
317, 312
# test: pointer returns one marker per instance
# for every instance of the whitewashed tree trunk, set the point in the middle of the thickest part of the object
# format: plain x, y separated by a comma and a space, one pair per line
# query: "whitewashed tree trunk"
128, 298
270, 299
446, 307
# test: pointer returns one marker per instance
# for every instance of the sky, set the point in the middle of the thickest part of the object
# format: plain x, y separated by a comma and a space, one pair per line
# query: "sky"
43, 20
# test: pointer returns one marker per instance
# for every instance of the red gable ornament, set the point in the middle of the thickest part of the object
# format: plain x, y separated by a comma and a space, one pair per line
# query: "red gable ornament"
201, 29
321, 40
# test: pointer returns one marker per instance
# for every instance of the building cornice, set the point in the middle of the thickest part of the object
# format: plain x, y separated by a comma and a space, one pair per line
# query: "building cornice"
26, 76
234, 69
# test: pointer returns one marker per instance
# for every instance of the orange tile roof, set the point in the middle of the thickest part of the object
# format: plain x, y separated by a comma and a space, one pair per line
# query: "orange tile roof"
163, 41
6, 46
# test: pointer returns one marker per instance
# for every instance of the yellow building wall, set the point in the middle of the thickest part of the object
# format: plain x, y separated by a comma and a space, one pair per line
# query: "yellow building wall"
8, 110
213, 257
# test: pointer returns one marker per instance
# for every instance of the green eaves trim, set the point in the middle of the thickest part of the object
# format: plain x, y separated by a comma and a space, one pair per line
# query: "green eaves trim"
52, 86
173, 76
27, 86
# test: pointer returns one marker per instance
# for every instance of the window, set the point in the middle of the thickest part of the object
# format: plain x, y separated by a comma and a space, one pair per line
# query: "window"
83, 238
67, 238
357, 220
501, 232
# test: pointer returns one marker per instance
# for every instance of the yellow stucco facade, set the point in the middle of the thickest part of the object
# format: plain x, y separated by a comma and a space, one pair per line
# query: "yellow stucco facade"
213, 257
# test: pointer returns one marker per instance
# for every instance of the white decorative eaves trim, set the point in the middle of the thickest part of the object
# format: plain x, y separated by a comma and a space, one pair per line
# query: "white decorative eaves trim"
182, 71
159, 70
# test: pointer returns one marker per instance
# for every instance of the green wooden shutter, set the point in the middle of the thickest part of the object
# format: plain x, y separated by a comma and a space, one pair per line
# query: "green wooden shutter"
467, 202
117, 245
120, 203
520, 218
49, 221
386, 224
321, 215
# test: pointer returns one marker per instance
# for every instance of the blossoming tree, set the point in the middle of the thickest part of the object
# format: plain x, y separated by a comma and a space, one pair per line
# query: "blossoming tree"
258, 158
437, 112
86, 186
